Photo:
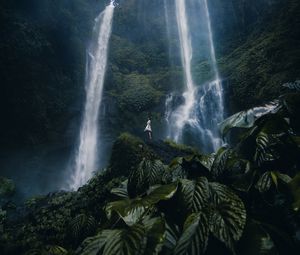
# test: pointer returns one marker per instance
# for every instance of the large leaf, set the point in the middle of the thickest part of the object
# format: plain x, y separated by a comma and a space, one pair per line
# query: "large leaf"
128, 241
219, 203
93, 245
194, 238
246, 119
148, 173
271, 177
228, 214
265, 148
121, 191
132, 210
82, 225
175, 169
219, 163
172, 236
193, 195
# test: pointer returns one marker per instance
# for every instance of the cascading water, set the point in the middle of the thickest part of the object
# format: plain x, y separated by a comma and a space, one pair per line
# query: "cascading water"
203, 107
181, 116
211, 107
87, 153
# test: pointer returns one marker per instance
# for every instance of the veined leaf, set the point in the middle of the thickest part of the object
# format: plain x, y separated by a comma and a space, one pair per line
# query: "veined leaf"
172, 236
148, 173
264, 151
121, 191
56, 250
132, 210
193, 195
228, 215
219, 163
246, 119
265, 181
194, 238
82, 225
128, 241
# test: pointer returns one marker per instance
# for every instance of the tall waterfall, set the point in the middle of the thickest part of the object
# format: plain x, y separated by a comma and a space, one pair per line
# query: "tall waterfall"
181, 116
203, 106
87, 152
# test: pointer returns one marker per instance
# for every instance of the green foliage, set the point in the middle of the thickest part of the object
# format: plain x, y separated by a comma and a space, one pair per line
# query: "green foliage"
141, 99
82, 225
132, 210
246, 119
144, 238
7, 187
148, 173
195, 235
127, 153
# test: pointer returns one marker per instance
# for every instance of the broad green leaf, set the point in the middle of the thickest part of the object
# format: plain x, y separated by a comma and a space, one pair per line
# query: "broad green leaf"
207, 160
82, 225
56, 250
148, 173
93, 245
132, 210
194, 238
271, 177
121, 191
219, 163
228, 214
264, 183
193, 195
284, 177
128, 241
172, 236
246, 119
264, 152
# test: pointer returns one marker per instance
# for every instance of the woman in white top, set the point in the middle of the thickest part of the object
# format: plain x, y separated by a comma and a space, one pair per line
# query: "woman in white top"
148, 128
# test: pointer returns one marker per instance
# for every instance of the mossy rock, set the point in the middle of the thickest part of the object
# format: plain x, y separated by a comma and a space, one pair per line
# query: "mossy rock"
7, 187
127, 152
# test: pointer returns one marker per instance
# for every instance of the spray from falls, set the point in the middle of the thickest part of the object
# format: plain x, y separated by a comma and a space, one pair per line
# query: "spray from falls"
182, 115
203, 106
87, 152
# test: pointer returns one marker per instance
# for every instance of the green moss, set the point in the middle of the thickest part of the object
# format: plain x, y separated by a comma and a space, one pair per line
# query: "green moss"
127, 153
181, 147
7, 187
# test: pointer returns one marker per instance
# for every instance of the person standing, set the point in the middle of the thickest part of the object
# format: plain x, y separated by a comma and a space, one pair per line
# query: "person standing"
148, 129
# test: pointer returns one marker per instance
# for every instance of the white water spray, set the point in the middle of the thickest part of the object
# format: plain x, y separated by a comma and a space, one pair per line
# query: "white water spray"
87, 152
182, 115
211, 113
203, 107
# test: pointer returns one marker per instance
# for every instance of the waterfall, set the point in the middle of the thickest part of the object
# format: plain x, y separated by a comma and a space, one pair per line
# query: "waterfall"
203, 106
86, 156
211, 107
182, 114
